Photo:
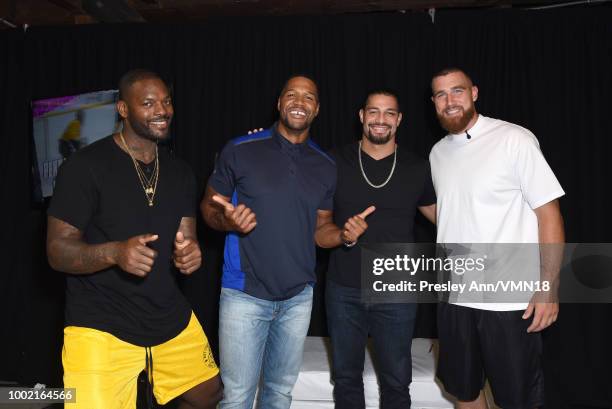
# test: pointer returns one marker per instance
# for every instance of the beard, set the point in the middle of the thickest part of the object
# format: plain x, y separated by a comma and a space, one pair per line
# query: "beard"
142, 130
378, 139
457, 124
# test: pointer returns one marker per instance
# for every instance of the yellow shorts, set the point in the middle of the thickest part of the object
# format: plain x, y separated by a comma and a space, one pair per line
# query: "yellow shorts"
104, 369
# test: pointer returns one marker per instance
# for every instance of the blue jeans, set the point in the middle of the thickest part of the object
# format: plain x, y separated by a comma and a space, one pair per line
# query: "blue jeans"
261, 338
349, 321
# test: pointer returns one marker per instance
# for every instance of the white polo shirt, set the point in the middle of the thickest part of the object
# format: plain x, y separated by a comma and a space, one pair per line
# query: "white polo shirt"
488, 185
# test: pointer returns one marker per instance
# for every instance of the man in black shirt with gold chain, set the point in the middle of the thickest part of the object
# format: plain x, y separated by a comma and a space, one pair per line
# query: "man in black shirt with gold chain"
377, 172
121, 221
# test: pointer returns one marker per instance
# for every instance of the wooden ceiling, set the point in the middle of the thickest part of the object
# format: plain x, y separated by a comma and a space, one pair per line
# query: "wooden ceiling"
62, 12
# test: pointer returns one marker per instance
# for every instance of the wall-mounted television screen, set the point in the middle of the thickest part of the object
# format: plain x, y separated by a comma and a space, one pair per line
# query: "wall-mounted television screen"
63, 125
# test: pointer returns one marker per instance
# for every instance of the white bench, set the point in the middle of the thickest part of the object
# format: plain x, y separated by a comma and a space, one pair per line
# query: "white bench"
313, 388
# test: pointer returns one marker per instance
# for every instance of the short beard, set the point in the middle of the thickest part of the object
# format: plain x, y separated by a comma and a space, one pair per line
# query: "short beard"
456, 125
144, 132
378, 140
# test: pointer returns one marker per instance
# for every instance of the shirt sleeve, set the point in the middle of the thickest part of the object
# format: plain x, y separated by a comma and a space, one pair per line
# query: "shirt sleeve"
75, 195
223, 178
428, 196
538, 183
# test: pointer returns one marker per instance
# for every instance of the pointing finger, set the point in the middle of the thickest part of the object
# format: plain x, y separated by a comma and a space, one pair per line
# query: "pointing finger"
145, 238
367, 212
223, 202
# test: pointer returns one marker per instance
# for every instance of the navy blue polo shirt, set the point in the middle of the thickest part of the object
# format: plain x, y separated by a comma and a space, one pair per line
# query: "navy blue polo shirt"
284, 184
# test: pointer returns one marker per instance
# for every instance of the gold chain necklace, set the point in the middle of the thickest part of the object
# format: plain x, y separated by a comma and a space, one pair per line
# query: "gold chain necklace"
149, 185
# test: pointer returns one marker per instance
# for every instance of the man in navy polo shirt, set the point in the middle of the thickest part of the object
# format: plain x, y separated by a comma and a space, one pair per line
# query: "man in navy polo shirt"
270, 191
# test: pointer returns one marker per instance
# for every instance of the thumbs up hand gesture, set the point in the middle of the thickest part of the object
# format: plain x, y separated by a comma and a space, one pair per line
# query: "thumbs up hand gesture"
133, 255
239, 218
355, 226
187, 254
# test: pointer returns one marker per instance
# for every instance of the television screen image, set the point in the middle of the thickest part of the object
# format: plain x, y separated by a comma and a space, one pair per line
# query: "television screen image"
63, 125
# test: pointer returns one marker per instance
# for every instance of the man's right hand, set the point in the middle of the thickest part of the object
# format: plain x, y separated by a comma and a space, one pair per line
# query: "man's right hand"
355, 226
135, 257
239, 218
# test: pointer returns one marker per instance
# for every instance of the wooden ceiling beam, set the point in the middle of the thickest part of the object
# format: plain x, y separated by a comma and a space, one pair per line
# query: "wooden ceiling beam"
67, 5
112, 11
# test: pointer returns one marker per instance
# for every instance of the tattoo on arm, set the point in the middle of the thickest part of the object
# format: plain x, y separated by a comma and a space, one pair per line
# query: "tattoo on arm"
68, 252
94, 258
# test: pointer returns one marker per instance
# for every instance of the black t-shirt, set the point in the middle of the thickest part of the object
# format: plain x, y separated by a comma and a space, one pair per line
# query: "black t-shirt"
98, 191
396, 203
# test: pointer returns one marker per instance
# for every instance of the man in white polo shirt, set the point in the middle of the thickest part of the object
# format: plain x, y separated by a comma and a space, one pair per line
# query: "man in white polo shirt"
493, 185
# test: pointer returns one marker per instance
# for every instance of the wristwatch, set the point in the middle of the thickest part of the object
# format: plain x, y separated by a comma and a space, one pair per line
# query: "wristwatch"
349, 243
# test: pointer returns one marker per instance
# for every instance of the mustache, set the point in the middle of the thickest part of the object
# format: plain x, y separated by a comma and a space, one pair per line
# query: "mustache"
301, 108
453, 107
379, 124
160, 118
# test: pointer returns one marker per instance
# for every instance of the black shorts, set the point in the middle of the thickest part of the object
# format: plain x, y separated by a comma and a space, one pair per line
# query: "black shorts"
477, 344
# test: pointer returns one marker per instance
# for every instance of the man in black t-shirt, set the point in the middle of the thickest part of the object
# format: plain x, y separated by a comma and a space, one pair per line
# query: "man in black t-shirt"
121, 221
374, 172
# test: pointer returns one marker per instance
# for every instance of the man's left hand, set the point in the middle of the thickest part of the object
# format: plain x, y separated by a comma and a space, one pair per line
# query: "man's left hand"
544, 314
187, 254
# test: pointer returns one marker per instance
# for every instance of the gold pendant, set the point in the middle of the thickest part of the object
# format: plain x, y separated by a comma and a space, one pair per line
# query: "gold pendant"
150, 203
149, 190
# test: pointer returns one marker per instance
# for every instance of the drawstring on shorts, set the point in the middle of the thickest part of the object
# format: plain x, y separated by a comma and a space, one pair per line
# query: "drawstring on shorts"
149, 371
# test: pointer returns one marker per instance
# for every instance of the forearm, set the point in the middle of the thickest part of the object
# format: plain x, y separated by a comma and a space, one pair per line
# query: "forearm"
551, 236
328, 236
76, 257
214, 217
551, 255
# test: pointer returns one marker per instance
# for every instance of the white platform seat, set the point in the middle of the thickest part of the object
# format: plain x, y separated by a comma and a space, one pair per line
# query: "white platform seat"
314, 388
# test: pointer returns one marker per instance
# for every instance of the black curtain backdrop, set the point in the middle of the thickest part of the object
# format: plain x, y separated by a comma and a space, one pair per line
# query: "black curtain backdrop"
547, 70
